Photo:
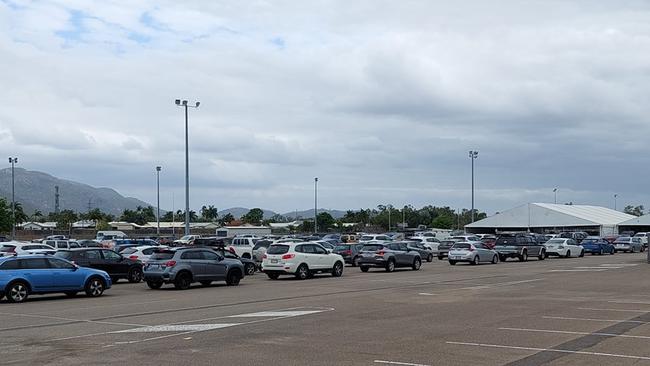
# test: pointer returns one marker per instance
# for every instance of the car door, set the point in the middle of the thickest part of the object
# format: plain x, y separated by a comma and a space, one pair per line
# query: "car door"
215, 268
324, 258
194, 259
115, 264
65, 276
37, 272
401, 252
310, 257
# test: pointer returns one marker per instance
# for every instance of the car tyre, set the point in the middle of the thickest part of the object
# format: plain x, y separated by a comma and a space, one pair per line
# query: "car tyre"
135, 275
612, 252
430, 258
453, 263
114, 279
233, 277
390, 265
205, 283
183, 281
568, 254
475, 261
17, 292
273, 276
154, 285
250, 269
582, 254
523, 257
302, 273
95, 287
495, 259
417, 263
355, 262
440, 257
542, 255
364, 268
600, 252
337, 270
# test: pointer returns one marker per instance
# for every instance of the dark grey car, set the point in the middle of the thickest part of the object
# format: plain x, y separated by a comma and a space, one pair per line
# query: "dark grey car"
183, 266
425, 253
445, 246
520, 246
388, 256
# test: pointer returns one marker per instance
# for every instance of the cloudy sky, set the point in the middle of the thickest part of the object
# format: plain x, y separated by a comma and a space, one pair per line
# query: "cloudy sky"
379, 99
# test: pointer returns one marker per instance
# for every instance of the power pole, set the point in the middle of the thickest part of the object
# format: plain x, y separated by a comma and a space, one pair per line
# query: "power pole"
56, 200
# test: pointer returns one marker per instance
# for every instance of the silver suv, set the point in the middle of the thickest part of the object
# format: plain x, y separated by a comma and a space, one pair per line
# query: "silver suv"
184, 266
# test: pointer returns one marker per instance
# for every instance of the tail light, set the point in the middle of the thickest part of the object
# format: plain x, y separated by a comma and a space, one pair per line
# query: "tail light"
170, 263
133, 257
264, 256
380, 252
347, 252
288, 256
232, 250
471, 249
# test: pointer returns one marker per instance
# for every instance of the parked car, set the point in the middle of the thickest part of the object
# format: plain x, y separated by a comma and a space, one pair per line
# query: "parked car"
388, 256
121, 244
467, 238
349, 238
611, 238
627, 233
210, 242
249, 265
89, 244
425, 253
20, 248
430, 243
473, 253
184, 266
563, 247
489, 241
326, 244
596, 245
107, 260
186, 240
141, 253
628, 244
61, 244
578, 236
520, 246
644, 238
372, 238
349, 252
302, 260
23, 276
445, 246
243, 246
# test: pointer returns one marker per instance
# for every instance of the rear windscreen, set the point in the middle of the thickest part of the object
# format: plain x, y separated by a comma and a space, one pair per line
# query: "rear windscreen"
277, 249
372, 248
462, 246
342, 247
162, 255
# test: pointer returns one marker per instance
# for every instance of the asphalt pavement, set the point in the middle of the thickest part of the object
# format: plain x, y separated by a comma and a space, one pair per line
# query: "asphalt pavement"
579, 311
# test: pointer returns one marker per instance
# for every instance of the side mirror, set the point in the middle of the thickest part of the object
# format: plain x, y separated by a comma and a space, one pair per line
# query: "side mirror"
76, 267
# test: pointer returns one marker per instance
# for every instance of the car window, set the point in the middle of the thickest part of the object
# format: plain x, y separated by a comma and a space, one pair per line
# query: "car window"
192, 255
129, 250
62, 245
461, 246
164, 255
372, 248
109, 254
211, 256
10, 264
34, 263
319, 249
60, 264
402, 247
309, 248
148, 251
278, 249
74, 245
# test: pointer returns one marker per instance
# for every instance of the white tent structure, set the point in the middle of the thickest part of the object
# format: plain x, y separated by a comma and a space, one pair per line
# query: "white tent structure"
636, 224
546, 217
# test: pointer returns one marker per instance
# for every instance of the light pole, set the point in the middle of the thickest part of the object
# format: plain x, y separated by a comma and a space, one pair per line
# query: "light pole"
316, 205
389, 209
158, 168
13, 199
615, 197
473, 155
187, 165
555, 195
404, 218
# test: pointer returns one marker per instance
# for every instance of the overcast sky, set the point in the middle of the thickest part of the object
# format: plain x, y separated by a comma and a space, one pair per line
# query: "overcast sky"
381, 100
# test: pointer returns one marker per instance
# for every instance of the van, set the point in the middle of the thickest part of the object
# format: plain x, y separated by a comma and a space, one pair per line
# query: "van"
110, 235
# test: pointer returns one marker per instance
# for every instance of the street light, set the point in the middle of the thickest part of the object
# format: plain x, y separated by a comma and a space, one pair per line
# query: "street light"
158, 168
473, 155
13, 161
615, 197
555, 194
315, 205
187, 165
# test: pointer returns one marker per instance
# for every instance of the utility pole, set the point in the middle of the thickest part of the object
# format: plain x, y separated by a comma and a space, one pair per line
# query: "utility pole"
187, 165
158, 168
473, 155
615, 197
13, 161
555, 193
389, 209
316, 205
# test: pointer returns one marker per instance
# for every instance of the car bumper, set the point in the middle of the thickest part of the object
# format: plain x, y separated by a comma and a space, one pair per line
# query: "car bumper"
159, 276
624, 247
372, 261
281, 267
461, 257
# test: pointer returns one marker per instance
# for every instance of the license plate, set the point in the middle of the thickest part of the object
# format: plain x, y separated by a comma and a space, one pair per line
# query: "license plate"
455, 257
154, 266
274, 261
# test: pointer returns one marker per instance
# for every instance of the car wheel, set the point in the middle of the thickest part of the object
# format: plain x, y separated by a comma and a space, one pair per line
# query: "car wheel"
495, 259
17, 292
183, 281
233, 277
502, 258
430, 258
154, 285
206, 283
303, 272
94, 287
337, 270
70, 293
250, 269
440, 257
364, 268
523, 257
355, 261
273, 276
582, 254
542, 255
568, 254
135, 275
417, 263
453, 263
390, 266
475, 261
612, 252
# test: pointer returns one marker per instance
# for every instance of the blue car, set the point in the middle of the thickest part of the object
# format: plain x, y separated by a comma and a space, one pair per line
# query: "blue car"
21, 276
597, 246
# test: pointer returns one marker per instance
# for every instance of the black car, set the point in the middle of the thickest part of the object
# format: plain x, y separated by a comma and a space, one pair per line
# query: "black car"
520, 246
107, 260
444, 246
210, 242
349, 252
249, 264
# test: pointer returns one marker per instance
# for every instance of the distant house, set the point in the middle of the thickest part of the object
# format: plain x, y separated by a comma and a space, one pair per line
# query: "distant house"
38, 225
84, 224
284, 225
232, 231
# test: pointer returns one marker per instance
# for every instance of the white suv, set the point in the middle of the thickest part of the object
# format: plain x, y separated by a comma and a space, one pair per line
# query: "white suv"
243, 247
62, 244
371, 238
301, 260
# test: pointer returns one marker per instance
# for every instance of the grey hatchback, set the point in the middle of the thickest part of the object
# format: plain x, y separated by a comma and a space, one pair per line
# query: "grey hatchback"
183, 266
388, 256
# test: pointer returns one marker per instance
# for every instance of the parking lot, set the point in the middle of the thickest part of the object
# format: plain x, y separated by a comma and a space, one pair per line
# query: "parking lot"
578, 311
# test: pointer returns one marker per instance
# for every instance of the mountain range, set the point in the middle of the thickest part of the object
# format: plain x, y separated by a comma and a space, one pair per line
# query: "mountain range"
238, 212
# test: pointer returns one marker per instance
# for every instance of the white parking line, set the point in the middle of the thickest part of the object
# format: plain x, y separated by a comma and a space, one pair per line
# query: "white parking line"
579, 270
500, 284
549, 350
596, 320
277, 313
399, 363
426, 294
623, 310
575, 333
628, 302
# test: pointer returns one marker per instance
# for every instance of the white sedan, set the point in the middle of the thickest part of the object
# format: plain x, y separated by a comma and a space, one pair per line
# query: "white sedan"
21, 248
141, 253
563, 247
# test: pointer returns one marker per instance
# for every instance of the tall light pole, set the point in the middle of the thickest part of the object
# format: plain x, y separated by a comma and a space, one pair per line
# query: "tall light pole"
389, 209
158, 168
555, 195
316, 205
13, 161
615, 197
473, 155
404, 218
187, 165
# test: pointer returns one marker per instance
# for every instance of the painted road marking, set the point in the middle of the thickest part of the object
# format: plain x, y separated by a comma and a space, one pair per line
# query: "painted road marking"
277, 313
623, 310
575, 333
426, 294
178, 328
399, 363
596, 320
500, 284
579, 270
549, 350
628, 302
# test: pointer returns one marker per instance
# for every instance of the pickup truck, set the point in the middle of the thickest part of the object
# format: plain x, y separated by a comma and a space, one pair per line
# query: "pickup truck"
520, 246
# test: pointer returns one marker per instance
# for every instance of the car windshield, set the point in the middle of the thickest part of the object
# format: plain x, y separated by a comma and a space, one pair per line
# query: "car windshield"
372, 248
164, 255
342, 247
65, 255
367, 238
277, 249
556, 241
623, 240
589, 241
461, 246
